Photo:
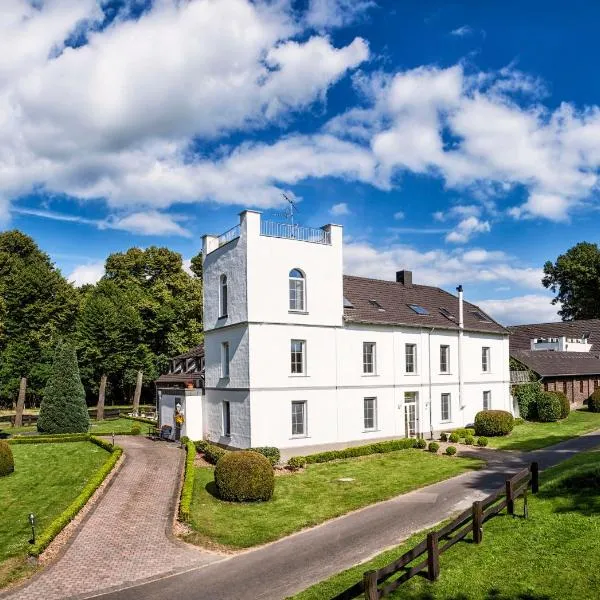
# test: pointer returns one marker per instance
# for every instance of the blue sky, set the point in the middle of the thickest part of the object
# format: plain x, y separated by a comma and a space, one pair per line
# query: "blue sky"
459, 140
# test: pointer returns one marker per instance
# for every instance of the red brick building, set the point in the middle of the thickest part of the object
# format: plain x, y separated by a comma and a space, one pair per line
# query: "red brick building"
565, 356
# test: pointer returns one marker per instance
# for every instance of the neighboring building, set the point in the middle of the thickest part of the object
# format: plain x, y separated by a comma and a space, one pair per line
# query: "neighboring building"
181, 389
298, 354
565, 356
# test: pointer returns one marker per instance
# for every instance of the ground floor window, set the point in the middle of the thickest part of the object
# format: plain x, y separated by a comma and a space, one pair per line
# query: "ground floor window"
226, 418
445, 407
581, 386
487, 400
370, 413
299, 417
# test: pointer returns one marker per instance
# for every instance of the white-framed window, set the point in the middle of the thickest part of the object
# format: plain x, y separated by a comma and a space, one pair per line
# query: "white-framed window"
485, 359
369, 357
223, 296
446, 414
297, 284
444, 359
226, 418
487, 400
225, 359
411, 358
370, 414
298, 357
299, 418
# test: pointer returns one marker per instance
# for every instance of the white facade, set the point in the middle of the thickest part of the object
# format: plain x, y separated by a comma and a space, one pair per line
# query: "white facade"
256, 399
561, 344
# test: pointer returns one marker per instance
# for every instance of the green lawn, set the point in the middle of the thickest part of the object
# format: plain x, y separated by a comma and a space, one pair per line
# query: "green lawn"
47, 478
531, 436
106, 427
552, 555
315, 495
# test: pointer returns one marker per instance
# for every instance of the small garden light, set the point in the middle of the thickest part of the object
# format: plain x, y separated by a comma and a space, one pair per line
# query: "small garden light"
113, 439
32, 523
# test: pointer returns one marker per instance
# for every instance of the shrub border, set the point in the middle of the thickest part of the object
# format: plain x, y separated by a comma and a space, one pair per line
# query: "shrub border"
59, 523
187, 489
50, 439
140, 419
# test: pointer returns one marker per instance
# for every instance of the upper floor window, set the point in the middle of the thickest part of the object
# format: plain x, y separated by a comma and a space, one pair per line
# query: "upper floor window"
225, 359
223, 296
411, 358
444, 359
297, 290
369, 358
298, 357
485, 359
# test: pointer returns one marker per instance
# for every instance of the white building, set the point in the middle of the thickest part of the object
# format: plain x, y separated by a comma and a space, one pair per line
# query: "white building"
298, 354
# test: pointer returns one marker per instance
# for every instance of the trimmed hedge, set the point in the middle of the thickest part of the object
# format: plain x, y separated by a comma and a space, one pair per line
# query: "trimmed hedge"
56, 526
212, 452
244, 476
548, 408
594, 401
565, 405
7, 461
49, 439
527, 396
465, 432
421, 443
354, 451
140, 419
269, 452
450, 450
493, 423
185, 504
296, 462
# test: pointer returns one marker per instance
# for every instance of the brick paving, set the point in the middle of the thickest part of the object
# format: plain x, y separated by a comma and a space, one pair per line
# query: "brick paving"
125, 538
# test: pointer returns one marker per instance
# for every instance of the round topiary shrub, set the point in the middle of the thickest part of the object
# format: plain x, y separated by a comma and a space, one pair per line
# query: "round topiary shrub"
493, 422
594, 401
454, 438
433, 447
450, 450
136, 430
565, 405
548, 408
420, 443
443, 437
469, 440
482, 442
244, 476
7, 462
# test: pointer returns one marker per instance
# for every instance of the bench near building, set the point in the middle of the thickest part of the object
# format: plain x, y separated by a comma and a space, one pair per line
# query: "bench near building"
297, 354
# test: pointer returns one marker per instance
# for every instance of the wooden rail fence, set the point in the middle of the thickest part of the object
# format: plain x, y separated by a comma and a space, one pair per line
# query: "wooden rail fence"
373, 584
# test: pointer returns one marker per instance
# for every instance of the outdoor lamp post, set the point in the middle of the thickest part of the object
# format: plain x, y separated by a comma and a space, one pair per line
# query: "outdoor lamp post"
32, 523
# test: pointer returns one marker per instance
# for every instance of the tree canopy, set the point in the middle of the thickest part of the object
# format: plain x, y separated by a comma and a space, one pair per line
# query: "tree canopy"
575, 279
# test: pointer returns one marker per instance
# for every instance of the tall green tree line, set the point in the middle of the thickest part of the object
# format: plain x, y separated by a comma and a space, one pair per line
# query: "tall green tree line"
145, 309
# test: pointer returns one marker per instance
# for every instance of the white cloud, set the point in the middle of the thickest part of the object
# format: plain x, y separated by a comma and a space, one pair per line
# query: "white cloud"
399, 215
466, 229
149, 223
87, 274
532, 308
336, 13
462, 31
339, 210
437, 267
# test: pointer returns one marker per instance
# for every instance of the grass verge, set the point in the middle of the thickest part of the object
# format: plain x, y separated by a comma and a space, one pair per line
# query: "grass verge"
106, 427
531, 435
315, 495
551, 555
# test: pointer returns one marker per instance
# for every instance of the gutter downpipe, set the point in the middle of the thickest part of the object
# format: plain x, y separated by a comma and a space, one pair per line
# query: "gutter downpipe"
430, 388
461, 326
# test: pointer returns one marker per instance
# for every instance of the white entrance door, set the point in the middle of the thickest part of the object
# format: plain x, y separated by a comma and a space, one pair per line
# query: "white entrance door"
411, 418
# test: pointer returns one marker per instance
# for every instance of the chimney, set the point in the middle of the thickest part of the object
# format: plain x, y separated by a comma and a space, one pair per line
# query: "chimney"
404, 277
461, 323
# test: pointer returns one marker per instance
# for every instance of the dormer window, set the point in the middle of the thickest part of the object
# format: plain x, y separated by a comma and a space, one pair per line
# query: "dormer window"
297, 290
223, 296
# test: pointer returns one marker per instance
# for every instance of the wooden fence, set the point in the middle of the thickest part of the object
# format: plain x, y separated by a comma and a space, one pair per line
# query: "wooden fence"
437, 542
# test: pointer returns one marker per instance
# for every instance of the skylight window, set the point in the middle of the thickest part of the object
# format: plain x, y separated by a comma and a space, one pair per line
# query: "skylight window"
418, 309
480, 316
376, 305
347, 303
447, 314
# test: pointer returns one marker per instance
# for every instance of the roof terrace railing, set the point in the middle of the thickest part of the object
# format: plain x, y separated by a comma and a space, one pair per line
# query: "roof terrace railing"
295, 232
228, 236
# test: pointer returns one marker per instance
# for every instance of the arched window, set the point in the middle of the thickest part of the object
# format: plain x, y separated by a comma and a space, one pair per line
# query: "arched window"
297, 290
223, 295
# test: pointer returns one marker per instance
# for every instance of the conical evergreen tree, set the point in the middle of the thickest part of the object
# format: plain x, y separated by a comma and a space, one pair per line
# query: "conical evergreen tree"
63, 408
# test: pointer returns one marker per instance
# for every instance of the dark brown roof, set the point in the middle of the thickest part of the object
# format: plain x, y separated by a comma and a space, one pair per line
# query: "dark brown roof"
197, 351
395, 299
521, 335
180, 377
548, 363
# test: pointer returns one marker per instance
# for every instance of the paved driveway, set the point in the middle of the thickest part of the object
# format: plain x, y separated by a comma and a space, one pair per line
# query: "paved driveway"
126, 537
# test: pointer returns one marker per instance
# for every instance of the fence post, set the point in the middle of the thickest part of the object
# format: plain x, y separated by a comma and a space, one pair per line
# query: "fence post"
433, 556
477, 522
510, 503
535, 477
525, 507
370, 585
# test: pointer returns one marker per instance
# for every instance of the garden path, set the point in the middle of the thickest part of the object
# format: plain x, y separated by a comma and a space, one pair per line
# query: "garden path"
126, 538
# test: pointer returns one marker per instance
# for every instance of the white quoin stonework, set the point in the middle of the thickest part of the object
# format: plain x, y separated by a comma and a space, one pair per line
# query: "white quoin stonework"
253, 404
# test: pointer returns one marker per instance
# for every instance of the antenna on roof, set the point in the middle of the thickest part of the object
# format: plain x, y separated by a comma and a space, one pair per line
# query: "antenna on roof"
290, 211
